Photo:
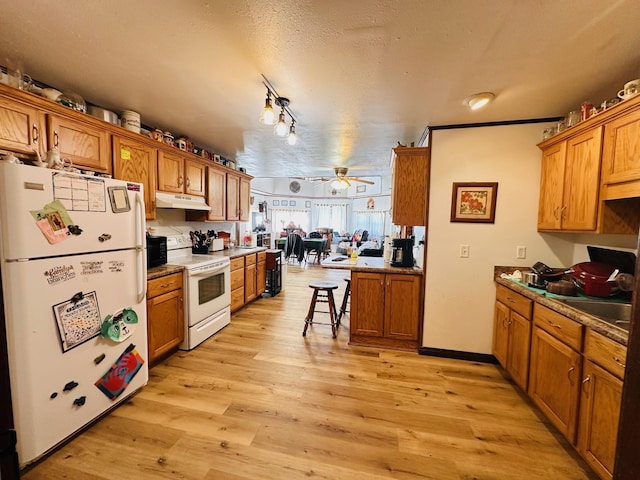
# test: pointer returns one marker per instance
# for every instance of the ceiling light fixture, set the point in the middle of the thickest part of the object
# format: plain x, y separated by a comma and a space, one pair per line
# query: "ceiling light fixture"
280, 128
292, 139
479, 100
267, 116
340, 184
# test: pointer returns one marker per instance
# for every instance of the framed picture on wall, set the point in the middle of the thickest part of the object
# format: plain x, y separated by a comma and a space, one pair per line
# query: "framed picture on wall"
474, 202
284, 203
276, 203
292, 203
307, 204
361, 188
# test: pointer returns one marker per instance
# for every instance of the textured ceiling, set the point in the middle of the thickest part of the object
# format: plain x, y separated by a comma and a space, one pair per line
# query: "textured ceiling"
361, 75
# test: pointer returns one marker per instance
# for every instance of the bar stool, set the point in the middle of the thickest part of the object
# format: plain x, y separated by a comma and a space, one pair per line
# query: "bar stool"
345, 299
322, 292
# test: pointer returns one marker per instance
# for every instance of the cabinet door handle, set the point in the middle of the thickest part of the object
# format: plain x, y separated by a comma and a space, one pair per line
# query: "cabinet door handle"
554, 325
188, 182
569, 374
563, 210
35, 134
555, 212
617, 360
55, 139
586, 380
180, 181
509, 299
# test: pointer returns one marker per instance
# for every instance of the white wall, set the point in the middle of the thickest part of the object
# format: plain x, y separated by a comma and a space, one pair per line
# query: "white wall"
460, 292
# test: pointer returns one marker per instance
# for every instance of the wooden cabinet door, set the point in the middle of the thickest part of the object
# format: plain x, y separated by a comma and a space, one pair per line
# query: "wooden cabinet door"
261, 278
599, 417
216, 194
501, 333
194, 173
554, 381
551, 187
402, 308
85, 145
518, 349
250, 291
233, 192
621, 149
409, 192
367, 304
136, 162
21, 127
170, 172
244, 199
165, 323
582, 181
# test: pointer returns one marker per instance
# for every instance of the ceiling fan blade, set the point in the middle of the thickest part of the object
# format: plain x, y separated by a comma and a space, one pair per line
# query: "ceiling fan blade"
361, 180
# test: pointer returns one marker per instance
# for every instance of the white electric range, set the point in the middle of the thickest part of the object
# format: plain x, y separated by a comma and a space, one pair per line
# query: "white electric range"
207, 290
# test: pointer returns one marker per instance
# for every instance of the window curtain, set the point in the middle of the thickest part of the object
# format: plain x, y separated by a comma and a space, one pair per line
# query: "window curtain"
371, 220
282, 217
330, 215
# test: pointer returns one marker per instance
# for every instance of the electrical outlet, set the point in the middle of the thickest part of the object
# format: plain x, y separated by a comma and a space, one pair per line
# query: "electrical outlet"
464, 251
521, 251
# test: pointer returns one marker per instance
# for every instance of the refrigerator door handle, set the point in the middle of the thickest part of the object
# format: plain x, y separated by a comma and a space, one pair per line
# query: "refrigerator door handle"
141, 267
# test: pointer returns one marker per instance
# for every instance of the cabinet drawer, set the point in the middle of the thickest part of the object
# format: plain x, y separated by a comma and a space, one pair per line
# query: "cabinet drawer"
559, 326
250, 259
515, 301
237, 298
237, 263
605, 352
161, 285
262, 257
237, 279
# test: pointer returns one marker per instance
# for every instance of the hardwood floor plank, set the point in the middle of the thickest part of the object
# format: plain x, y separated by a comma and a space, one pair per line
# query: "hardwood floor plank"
258, 401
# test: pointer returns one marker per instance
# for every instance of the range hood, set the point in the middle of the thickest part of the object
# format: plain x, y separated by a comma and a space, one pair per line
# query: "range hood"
176, 200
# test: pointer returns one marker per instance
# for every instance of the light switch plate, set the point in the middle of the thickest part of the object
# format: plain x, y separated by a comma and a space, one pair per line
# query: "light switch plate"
464, 251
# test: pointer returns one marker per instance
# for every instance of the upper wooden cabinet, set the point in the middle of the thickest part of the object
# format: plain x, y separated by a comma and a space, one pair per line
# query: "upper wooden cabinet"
238, 197
85, 144
590, 176
569, 183
136, 162
21, 127
179, 175
216, 194
409, 192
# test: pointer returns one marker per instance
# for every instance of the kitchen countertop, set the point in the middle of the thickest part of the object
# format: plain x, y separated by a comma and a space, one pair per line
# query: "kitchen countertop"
368, 264
162, 270
551, 301
238, 251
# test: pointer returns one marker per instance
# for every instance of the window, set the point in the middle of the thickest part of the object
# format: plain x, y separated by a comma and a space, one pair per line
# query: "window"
285, 217
327, 215
371, 220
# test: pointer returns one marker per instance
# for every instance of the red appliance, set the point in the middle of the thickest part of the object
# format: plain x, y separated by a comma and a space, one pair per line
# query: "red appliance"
592, 278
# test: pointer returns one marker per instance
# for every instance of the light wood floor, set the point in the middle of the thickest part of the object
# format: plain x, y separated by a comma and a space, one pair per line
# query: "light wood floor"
259, 401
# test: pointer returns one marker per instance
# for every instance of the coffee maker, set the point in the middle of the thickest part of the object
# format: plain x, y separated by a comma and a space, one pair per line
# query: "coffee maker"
402, 252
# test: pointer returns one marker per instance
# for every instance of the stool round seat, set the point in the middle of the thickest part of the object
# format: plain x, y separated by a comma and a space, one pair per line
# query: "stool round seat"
322, 292
324, 285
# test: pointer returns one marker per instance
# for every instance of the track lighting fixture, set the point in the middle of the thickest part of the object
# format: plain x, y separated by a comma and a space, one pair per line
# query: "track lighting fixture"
267, 115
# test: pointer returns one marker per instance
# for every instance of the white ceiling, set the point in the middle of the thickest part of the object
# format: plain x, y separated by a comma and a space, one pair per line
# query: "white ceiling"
361, 74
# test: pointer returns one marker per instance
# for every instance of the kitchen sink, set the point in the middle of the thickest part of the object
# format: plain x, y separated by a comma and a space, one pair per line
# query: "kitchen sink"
616, 313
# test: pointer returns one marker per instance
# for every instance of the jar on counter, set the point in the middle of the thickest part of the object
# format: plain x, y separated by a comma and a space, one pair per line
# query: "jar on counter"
585, 110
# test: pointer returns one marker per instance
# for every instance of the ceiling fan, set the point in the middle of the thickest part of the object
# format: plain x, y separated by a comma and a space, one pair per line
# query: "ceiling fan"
341, 181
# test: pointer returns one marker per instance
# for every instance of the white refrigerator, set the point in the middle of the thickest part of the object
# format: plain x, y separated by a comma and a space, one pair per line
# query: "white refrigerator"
73, 267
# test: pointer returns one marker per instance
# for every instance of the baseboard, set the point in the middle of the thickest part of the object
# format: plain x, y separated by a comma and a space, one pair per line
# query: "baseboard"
457, 355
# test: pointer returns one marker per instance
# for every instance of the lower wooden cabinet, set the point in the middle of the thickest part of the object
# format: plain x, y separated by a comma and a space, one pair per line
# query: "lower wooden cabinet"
600, 400
261, 273
512, 334
554, 382
385, 310
165, 315
250, 288
237, 283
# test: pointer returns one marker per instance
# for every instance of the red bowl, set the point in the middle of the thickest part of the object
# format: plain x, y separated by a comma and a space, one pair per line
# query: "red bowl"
591, 278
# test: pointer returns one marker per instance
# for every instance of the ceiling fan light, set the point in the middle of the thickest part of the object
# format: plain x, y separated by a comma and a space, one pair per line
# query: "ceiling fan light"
267, 116
281, 127
340, 184
479, 100
292, 139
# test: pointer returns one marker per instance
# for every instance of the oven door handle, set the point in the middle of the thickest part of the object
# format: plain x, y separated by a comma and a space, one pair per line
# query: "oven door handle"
209, 272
